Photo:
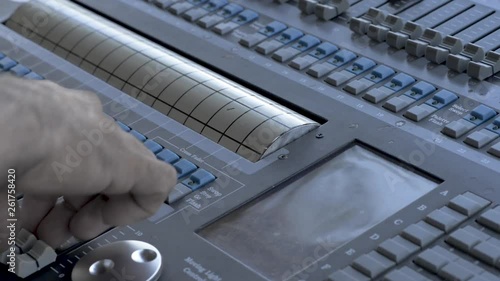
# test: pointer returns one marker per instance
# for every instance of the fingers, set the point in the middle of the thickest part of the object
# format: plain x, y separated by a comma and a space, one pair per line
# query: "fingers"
150, 183
80, 153
88, 222
35, 208
54, 227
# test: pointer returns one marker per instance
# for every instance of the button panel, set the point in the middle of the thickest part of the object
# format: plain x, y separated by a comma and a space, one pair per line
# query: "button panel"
416, 239
191, 177
323, 60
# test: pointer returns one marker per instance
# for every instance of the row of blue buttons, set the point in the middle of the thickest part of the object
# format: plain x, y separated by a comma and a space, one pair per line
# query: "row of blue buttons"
8, 64
198, 177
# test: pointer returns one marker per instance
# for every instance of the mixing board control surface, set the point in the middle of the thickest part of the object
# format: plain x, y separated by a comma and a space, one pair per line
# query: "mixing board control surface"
339, 140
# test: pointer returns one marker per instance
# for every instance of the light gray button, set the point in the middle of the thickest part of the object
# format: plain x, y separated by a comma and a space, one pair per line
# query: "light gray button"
468, 203
377, 32
378, 94
445, 219
25, 240
458, 128
422, 233
285, 54
43, 253
397, 249
328, 12
251, 40
495, 150
396, 104
179, 191
481, 138
338, 78
225, 27
163, 3
320, 70
348, 274
357, 86
419, 112
307, 6
416, 47
359, 25
405, 274
194, 14
26, 266
466, 238
455, 271
372, 264
487, 251
179, 8
161, 213
457, 62
436, 54
491, 219
397, 39
486, 67
434, 259
209, 21
268, 47
301, 63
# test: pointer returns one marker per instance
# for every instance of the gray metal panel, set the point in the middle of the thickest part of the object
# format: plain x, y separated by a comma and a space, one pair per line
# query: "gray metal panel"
175, 236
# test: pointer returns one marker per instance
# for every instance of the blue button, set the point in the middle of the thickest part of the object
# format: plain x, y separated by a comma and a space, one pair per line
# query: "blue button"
342, 57
184, 167
138, 135
442, 99
306, 42
213, 5
400, 81
323, 50
480, 114
123, 126
273, 28
168, 156
230, 10
33, 76
153, 146
199, 179
289, 35
420, 90
380, 73
495, 126
7, 63
20, 70
361, 65
245, 17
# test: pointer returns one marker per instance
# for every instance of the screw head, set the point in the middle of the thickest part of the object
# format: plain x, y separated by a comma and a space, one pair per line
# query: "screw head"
320, 136
282, 156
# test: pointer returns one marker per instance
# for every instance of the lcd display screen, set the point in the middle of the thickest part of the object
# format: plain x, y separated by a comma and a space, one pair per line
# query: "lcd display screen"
283, 232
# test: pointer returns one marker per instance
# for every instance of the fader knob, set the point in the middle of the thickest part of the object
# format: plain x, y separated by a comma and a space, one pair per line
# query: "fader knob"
307, 6
327, 10
131, 260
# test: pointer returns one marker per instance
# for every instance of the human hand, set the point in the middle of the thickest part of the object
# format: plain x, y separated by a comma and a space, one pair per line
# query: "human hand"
62, 144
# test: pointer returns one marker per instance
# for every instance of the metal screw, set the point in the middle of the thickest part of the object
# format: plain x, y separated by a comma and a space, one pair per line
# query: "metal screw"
319, 136
282, 156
